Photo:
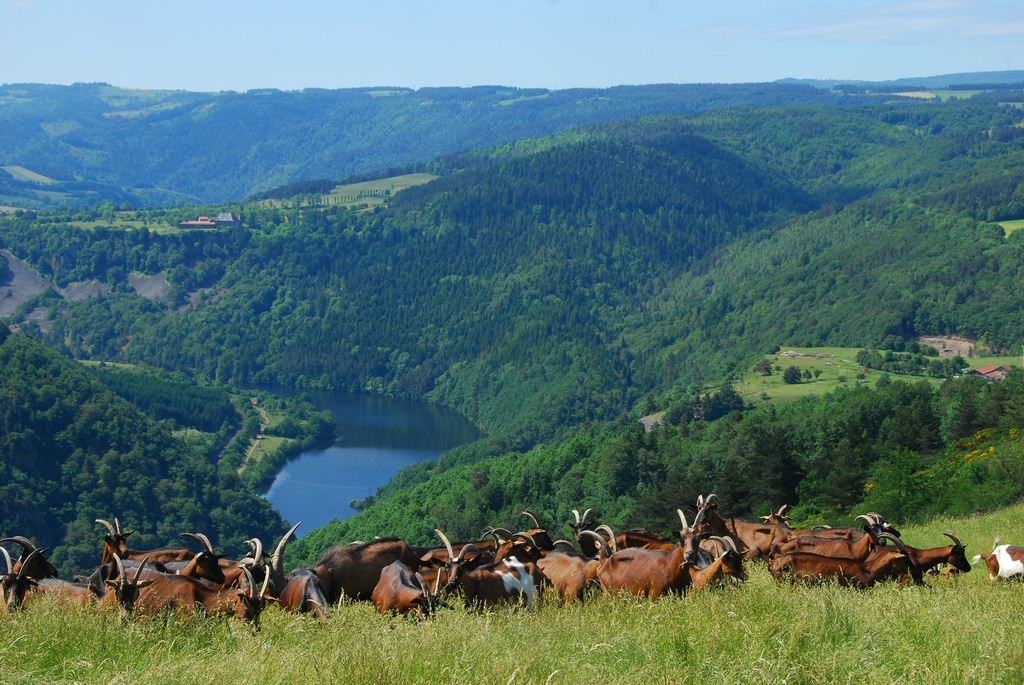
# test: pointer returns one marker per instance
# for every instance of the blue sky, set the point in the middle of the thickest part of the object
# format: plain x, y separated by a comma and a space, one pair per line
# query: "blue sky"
214, 45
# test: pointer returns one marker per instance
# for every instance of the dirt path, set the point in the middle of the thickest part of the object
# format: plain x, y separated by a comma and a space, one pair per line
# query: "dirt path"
264, 422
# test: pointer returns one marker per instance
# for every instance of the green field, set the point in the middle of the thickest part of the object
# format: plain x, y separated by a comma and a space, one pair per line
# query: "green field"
835, 366
362, 195
955, 630
23, 174
1011, 226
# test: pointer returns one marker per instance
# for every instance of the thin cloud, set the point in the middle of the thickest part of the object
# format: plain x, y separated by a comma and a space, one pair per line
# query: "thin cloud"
941, 20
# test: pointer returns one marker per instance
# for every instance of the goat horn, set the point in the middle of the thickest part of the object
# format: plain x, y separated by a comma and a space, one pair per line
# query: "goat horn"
120, 571
682, 517
566, 543
451, 552
117, 524
266, 584
781, 510
7, 558
952, 536
138, 571
466, 548
896, 541
277, 560
611, 536
108, 526
31, 556
536, 521
700, 501
866, 518
21, 540
600, 541
576, 513
251, 583
585, 515
201, 539
500, 534
257, 550
730, 543
699, 519
527, 537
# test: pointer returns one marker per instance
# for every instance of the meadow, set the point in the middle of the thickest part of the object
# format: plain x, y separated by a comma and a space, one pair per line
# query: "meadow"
954, 630
831, 368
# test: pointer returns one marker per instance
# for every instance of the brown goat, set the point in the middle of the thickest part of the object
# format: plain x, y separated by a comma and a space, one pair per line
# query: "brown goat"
353, 570
509, 580
752, 539
117, 543
402, 591
569, 573
884, 563
639, 571
40, 567
117, 590
191, 595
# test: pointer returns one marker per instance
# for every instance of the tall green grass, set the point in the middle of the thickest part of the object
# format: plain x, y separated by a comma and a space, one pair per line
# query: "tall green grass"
954, 630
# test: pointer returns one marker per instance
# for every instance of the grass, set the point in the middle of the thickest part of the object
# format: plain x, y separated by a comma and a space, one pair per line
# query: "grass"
833, 364
1011, 226
952, 631
22, 174
363, 195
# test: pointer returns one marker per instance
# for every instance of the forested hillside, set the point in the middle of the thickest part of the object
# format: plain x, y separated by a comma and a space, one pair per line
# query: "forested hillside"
548, 287
73, 451
95, 142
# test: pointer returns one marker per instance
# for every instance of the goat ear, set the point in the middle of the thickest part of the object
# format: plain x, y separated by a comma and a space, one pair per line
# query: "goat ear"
144, 583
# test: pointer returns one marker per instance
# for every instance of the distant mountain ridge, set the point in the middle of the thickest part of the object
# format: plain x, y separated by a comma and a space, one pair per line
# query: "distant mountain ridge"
943, 81
153, 147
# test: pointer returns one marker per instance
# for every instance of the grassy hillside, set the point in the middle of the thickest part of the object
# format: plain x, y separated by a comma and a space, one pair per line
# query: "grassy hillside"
954, 630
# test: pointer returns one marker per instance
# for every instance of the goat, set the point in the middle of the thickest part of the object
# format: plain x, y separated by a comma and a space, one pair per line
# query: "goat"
839, 547
955, 555
689, 537
40, 567
117, 543
539, 534
752, 539
116, 589
569, 573
777, 518
882, 564
587, 545
1005, 561
302, 591
16, 585
402, 591
640, 571
353, 570
503, 581
728, 563
189, 594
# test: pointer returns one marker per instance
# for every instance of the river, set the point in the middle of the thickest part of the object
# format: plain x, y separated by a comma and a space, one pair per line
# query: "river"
377, 436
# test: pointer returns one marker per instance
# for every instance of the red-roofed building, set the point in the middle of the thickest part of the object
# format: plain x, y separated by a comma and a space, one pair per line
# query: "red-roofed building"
990, 372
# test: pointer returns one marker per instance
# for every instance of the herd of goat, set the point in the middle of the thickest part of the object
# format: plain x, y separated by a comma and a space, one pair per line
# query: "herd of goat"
503, 567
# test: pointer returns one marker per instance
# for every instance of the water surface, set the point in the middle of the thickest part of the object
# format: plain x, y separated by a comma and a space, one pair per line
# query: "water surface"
377, 436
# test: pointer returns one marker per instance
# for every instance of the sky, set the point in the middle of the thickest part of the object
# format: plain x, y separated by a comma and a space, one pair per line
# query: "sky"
236, 45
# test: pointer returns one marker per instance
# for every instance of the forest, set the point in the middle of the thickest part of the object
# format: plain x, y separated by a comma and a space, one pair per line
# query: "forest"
92, 142
554, 289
